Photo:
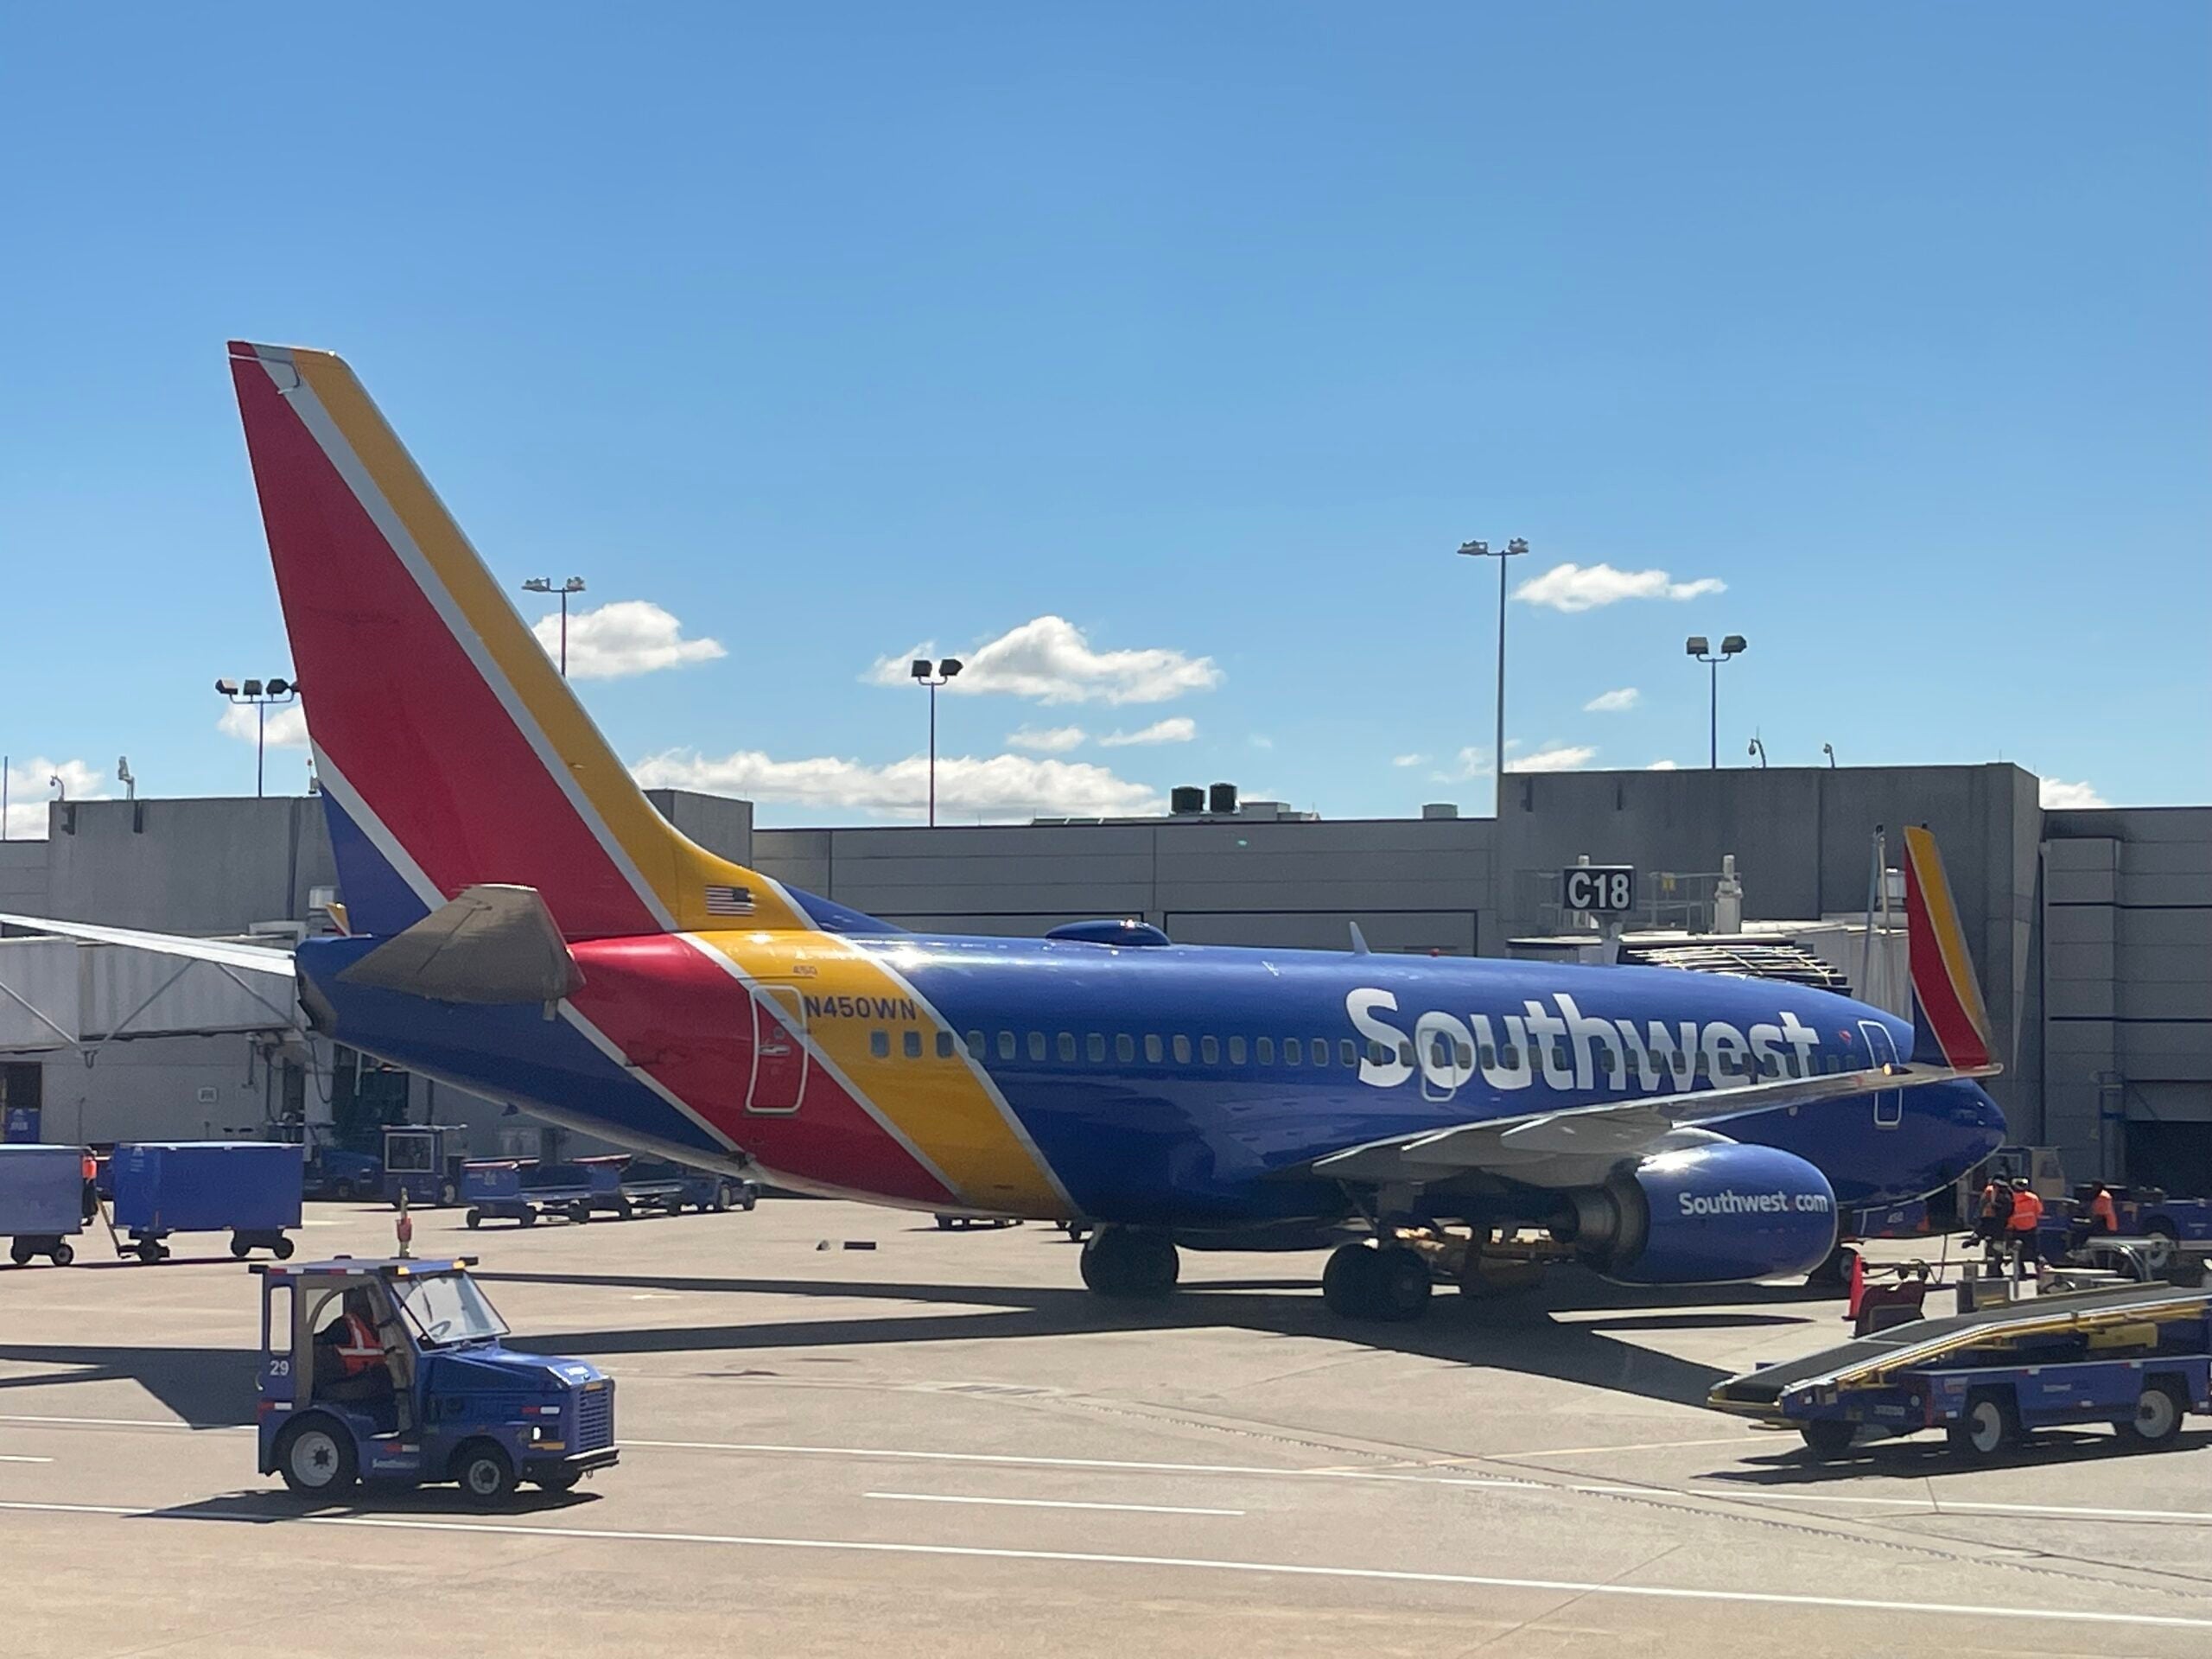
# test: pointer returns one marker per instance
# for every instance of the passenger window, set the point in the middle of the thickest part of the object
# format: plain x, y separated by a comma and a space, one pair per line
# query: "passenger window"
1605, 1059
1210, 1050
1405, 1050
1125, 1047
1466, 1055
1094, 1048
1510, 1057
1703, 1068
1153, 1051
1267, 1045
1037, 1046
1319, 1051
1182, 1050
1377, 1053
912, 1044
1770, 1065
1294, 1051
1440, 1054
878, 1044
1488, 1057
1006, 1045
977, 1048
945, 1045
1348, 1051
1067, 1047
1236, 1050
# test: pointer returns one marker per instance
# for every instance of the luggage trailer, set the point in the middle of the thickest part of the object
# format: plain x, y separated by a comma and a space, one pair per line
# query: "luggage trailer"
2139, 1357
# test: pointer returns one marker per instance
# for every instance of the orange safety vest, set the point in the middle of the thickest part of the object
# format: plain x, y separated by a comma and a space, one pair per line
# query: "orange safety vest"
359, 1350
2027, 1211
90, 1165
1989, 1201
2101, 1210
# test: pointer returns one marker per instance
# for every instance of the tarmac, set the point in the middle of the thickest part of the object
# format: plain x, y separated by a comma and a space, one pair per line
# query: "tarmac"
942, 1445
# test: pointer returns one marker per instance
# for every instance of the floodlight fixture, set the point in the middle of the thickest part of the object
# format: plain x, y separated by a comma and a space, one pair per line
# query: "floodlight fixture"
1697, 644
545, 585
1701, 647
949, 667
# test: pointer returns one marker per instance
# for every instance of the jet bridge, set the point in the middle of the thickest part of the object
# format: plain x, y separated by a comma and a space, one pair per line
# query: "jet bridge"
65, 993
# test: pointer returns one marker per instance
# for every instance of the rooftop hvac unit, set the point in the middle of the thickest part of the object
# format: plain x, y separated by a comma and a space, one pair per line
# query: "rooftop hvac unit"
1221, 800
1440, 810
1186, 798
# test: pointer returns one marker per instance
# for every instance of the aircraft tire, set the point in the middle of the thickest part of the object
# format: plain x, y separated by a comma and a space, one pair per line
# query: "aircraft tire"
1390, 1284
1128, 1264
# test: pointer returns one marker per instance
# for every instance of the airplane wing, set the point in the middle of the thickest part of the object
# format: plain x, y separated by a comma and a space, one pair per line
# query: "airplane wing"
248, 958
1580, 1144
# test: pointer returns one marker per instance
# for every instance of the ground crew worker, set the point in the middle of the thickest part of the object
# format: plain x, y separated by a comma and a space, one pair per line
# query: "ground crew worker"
2101, 1217
89, 1167
356, 1353
1988, 1224
2026, 1216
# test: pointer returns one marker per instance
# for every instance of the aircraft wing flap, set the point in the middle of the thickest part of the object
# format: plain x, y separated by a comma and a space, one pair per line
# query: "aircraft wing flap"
1579, 1138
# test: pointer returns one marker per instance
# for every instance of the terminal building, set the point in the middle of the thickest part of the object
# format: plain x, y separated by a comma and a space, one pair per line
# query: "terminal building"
2092, 928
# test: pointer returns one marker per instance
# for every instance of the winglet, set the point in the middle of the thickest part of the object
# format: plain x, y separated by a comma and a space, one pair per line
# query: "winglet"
1359, 941
1950, 1022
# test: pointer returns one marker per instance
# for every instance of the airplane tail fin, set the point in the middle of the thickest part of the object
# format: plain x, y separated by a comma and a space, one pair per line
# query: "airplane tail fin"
1950, 1022
450, 752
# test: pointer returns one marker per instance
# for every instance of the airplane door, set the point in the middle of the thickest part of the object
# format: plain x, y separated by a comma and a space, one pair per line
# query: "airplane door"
1882, 1049
780, 1056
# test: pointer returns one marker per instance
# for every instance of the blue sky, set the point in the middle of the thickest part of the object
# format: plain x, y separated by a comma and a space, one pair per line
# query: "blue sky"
1209, 331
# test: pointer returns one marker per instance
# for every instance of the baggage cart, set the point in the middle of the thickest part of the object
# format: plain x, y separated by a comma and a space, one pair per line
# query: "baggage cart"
250, 1189
42, 1201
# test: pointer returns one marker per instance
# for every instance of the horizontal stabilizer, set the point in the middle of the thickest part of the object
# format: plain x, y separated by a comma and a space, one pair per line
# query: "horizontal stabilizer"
492, 944
248, 958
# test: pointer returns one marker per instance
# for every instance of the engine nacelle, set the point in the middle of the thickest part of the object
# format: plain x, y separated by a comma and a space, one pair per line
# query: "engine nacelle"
1706, 1215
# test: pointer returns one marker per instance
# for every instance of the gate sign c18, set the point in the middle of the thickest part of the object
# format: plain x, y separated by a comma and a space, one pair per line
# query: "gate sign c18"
1608, 889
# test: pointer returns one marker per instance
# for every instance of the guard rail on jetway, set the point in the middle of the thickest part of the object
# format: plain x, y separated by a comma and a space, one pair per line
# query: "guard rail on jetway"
57, 994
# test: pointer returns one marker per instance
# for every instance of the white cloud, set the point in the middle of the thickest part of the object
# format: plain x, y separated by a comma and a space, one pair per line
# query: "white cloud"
1178, 728
1468, 763
1048, 660
2058, 793
288, 725
30, 787
1408, 759
995, 787
1585, 587
1260, 743
1662, 766
1556, 757
623, 637
1048, 740
1613, 702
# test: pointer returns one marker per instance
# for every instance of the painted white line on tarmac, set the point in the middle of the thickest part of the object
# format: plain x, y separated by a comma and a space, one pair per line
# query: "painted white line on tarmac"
132, 1422
1189, 1563
1592, 1450
1951, 1506
893, 1454
5, 1458
1046, 1503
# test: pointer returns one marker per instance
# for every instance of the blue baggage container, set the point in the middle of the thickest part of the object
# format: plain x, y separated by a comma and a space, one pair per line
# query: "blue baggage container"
250, 1189
41, 1200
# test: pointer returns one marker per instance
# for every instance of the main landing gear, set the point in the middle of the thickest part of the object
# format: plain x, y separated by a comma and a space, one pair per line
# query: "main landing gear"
1371, 1282
1129, 1264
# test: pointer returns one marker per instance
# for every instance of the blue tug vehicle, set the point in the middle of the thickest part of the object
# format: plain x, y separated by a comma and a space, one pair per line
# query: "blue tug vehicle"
395, 1369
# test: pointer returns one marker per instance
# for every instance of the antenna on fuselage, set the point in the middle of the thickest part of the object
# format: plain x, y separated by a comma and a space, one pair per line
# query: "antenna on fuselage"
1358, 942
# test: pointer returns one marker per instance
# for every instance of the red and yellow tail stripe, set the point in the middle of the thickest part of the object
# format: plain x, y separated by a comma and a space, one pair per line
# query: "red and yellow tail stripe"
1950, 1021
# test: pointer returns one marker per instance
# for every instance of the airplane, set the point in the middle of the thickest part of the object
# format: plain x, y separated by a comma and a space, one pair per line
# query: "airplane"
523, 925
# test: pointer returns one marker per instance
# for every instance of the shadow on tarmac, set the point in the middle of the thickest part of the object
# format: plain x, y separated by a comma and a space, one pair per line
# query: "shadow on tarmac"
275, 1506
210, 1387
1927, 1456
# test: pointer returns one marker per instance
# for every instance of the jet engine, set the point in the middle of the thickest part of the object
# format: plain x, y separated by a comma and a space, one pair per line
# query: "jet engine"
1705, 1215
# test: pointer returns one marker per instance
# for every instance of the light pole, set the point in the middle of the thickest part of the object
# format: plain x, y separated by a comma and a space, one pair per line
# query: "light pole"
277, 694
1700, 647
1828, 749
545, 585
1512, 550
1758, 749
933, 674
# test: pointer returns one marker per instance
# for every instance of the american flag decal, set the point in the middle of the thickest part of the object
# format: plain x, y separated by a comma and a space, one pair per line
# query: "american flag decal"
730, 901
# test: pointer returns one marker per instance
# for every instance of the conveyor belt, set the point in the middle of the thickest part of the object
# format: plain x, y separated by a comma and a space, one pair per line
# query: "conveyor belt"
1758, 1393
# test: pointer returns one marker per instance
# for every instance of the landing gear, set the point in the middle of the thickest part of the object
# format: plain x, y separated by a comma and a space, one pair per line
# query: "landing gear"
1365, 1281
1122, 1262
